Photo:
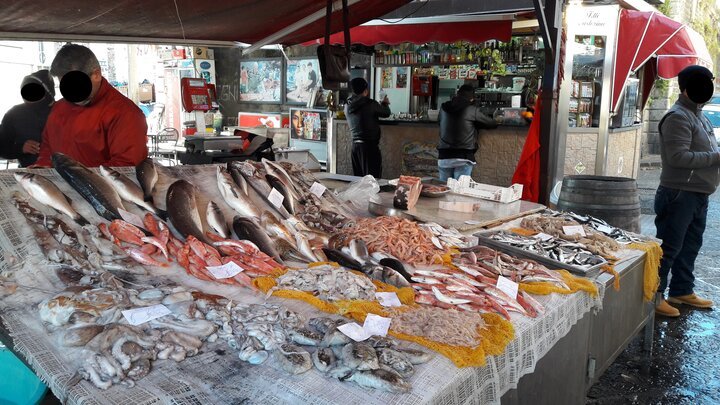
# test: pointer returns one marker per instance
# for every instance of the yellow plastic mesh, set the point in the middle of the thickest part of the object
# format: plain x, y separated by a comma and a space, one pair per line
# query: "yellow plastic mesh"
609, 268
575, 283
651, 278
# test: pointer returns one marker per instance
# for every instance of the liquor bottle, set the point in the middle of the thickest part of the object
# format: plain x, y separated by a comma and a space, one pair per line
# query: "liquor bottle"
470, 55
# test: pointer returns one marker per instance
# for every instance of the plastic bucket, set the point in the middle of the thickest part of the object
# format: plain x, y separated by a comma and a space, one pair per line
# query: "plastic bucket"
18, 384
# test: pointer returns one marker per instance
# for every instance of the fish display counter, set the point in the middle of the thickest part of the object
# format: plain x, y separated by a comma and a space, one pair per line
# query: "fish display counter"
215, 284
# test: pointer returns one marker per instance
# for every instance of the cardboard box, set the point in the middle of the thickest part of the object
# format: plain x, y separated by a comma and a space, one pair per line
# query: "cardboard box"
146, 93
199, 52
210, 53
178, 54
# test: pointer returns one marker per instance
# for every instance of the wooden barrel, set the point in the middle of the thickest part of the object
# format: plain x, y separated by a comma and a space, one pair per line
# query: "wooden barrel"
613, 199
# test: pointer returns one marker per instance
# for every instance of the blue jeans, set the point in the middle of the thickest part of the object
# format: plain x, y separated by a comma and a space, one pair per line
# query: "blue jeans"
455, 172
680, 223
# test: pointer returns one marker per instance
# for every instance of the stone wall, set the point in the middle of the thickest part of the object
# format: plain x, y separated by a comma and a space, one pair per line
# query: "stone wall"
622, 157
580, 153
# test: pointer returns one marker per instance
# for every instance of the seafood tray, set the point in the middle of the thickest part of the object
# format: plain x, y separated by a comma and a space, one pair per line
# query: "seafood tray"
484, 238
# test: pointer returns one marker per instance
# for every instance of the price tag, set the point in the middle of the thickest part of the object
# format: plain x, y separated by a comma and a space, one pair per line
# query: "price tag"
318, 189
276, 198
231, 269
574, 230
354, 331
138, 316
543, 236
376, 325
388, 299
604, 229
131, 218
507, 286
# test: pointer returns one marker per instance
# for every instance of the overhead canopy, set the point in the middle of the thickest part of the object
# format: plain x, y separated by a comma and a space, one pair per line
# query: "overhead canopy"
650, 37
229, 21
419, 33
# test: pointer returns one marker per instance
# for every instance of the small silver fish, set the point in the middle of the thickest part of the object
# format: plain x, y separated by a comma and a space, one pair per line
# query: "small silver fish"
216, 220
234, 196
128, 190
47, 193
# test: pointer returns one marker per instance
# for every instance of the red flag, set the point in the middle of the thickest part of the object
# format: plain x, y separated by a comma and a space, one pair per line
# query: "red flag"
527, 171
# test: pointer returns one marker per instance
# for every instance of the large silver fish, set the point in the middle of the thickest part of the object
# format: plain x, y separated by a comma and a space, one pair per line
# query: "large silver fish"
129, 191
274, 169
248, 229
289, 201
258, 183
93, 188
277, 228
216, 220
47, 193
147, 176
234, 196
183, 210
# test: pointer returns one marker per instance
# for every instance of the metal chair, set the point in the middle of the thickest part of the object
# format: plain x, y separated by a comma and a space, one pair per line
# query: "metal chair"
166, 145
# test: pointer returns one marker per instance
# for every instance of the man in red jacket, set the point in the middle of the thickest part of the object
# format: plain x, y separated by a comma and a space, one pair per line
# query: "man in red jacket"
93, 123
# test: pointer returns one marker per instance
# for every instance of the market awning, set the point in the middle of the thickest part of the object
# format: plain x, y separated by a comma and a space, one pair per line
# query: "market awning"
230, 21
378, 32
650, 37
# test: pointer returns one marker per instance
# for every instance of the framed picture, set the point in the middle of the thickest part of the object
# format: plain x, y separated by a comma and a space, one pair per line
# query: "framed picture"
308, 124
302, 76
261, 81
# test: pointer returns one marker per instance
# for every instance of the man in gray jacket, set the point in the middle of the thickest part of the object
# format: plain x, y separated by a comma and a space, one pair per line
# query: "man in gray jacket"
690, 173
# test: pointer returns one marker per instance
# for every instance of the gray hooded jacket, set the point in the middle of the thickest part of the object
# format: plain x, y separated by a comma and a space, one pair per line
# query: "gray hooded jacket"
689, 151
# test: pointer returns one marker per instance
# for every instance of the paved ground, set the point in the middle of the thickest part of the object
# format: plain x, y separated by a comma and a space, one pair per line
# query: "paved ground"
685, 366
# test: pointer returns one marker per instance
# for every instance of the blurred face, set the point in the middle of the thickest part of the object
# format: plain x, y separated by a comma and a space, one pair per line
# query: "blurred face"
297, 122
80, 88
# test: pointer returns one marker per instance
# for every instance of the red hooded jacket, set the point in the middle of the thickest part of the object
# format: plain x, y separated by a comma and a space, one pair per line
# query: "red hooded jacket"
111, 131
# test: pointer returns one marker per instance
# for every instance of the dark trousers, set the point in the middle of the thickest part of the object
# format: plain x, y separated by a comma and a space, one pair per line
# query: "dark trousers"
680, 223
366, 159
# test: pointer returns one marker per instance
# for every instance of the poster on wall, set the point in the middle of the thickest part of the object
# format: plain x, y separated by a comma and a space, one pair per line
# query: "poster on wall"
387, 78
260, 81
401, 81
206, 70
308, 125
301, 77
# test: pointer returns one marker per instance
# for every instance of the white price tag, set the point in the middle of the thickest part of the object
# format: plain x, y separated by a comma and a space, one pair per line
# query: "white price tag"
507, 286
354, 331
543, 236
376, 325
388, 299
472, 222
231, 269
318, 189
276, 198
574, 230
131, 218
138, 316
604, 229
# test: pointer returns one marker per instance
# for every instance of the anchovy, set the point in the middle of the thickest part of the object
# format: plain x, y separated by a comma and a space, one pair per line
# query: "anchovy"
216, 220
147, 176
47, 193
248, 229
93, 188
182, 209
129, 191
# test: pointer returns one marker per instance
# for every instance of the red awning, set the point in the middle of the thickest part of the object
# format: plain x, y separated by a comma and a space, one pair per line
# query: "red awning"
446, 32
230, 20
648, 36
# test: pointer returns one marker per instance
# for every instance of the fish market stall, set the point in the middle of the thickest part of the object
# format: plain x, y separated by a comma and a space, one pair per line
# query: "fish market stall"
262, 285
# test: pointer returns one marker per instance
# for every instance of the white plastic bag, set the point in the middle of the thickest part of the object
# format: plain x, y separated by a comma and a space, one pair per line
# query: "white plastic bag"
358, 193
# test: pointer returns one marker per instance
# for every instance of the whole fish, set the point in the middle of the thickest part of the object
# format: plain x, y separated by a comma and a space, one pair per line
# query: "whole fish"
275, 170
277, 228
147, 177
47, 193
304, 247
248, 229
216, 220
342, 259
93, 188
183, 211
258, 183
289, 199
238, 178
129, 191
396, 265
234, 196
374, 270
288, 252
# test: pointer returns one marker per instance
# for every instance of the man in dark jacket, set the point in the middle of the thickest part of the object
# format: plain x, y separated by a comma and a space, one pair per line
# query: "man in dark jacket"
23, 124
690, 173
460, 120
362, 114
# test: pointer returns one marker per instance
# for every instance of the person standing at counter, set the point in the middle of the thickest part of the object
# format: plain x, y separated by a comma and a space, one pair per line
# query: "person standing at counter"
22, 126
362, 114
93, 123
460, 120
690, 173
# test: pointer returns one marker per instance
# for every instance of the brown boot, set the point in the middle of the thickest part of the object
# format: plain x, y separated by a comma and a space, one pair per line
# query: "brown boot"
692, 300
665, 309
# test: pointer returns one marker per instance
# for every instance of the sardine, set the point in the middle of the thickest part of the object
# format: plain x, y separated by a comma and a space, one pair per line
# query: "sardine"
248, 229
380, 379
93, 188
216, 220
147, 176
234, 196
48, 194
293, 359
324, 359
129, 191
288, 198
183, 211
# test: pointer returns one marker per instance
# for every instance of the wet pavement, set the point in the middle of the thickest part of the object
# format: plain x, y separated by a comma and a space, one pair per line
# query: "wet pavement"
685, 365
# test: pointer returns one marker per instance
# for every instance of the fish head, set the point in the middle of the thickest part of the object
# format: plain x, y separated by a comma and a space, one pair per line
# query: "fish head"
24, 177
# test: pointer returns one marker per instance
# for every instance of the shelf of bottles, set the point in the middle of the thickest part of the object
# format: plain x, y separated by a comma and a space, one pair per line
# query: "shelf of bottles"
519, 56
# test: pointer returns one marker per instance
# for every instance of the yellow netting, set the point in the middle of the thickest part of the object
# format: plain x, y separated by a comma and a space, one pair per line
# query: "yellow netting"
609, 268
651, 279
523, 231
575, 283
